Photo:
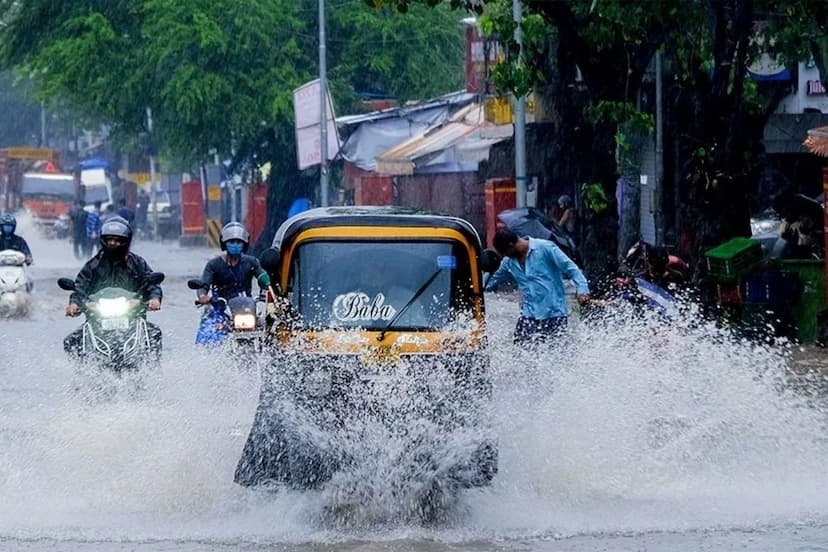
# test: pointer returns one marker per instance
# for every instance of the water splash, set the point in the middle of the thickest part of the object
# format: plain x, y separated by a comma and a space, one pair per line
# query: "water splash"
624, 425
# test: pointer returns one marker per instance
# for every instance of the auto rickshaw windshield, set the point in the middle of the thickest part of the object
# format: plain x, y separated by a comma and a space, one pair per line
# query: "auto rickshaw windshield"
351, 284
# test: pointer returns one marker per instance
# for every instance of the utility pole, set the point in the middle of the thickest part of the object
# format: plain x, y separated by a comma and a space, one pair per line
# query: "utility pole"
520, 117
43, 143
153, 195
659, 156
323, 110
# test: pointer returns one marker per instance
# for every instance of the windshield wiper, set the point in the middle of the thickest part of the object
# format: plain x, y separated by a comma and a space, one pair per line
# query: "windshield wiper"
414, 297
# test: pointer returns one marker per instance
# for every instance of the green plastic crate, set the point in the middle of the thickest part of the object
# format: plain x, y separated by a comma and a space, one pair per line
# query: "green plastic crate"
733, 259
812, 301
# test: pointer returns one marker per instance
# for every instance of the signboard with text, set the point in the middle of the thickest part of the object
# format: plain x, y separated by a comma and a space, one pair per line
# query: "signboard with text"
306, 107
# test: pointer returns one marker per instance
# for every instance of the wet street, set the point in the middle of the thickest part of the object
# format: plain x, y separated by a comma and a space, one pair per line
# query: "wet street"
625, 436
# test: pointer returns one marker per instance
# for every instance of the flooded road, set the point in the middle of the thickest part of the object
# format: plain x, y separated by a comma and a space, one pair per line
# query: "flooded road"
626, 435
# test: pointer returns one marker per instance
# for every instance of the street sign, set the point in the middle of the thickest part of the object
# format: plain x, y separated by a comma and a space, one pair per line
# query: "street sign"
42, 154
306, 107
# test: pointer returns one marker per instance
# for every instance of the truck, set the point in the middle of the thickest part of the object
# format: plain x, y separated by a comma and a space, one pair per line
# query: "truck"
14, 163
46, 197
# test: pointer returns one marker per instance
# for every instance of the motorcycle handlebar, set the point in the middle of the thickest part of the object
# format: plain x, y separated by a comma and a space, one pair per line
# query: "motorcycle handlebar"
214, 301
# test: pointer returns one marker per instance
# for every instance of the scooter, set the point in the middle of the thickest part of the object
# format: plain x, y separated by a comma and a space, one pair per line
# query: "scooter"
235, 320
115, 336
15, 285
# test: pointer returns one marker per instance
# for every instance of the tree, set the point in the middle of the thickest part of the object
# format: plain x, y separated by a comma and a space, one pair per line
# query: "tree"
20, 119
219, 74
714, 115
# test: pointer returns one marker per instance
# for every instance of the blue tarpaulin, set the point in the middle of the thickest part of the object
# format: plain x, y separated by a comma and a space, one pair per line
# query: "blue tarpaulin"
94, 163
299, 205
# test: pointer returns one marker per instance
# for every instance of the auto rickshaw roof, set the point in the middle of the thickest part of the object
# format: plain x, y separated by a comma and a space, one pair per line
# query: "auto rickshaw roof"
392, 216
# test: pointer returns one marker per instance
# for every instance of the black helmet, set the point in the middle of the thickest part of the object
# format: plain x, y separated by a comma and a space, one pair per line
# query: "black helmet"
234, 231
7, 219
118, 227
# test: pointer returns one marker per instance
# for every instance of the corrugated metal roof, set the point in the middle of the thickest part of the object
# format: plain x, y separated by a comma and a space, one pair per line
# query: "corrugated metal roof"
454, 98
467, 124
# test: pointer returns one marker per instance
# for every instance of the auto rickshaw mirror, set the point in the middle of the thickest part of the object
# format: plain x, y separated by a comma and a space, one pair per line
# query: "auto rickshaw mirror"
489, 260
270, 260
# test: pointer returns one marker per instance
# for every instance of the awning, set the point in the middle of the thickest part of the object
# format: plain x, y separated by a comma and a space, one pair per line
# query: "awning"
94, 163
817, 141
466, 137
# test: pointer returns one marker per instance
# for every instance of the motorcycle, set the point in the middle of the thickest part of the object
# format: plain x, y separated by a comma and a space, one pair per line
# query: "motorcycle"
115, 334
15, 284
235, 319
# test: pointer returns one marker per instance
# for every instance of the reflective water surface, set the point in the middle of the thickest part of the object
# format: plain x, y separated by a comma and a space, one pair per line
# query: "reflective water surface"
625, 435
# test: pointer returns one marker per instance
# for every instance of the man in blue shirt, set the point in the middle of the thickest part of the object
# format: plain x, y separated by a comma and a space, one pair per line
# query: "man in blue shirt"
537, 267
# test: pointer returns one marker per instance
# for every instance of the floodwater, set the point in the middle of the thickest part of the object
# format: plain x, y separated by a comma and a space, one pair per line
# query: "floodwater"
627, 435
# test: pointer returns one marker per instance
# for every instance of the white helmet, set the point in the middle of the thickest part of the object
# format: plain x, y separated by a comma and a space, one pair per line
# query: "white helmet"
234, 231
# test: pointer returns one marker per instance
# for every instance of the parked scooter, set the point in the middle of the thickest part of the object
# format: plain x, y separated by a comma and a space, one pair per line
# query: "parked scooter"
115, 335
235, 320
15, 284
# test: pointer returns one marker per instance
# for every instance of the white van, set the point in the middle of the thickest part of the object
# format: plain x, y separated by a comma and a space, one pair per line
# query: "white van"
96, 186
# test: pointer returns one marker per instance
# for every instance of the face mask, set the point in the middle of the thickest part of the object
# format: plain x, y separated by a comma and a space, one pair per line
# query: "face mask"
234, 249
8, 229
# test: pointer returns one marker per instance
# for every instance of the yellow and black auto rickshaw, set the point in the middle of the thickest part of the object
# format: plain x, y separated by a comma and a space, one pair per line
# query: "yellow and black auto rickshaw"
382, 319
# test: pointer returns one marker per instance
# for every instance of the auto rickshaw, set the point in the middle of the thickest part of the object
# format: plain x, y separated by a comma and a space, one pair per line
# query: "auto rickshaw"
378, 314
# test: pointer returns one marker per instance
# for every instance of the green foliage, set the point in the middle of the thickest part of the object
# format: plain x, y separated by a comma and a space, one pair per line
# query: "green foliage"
521, 71
595, 199
403, 6
617, 113
409, 56
215, 72
18, 117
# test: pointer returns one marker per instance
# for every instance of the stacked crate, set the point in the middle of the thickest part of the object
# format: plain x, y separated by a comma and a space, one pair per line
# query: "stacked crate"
728, 264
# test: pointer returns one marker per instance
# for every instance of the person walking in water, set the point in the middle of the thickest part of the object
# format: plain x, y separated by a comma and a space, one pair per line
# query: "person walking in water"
93, 228
538, 268
78, 216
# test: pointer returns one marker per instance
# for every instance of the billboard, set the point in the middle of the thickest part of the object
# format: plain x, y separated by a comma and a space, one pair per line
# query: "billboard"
306, 108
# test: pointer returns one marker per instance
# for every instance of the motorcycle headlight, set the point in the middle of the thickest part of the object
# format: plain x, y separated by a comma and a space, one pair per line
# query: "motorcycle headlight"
318, 382
244, 321
113, 308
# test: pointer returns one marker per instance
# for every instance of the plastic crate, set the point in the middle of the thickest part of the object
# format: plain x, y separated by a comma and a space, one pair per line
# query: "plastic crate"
812, 298
772, 287
733, 259
729, 294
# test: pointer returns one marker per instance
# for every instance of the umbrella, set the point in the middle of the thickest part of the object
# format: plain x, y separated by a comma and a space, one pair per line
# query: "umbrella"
532, 222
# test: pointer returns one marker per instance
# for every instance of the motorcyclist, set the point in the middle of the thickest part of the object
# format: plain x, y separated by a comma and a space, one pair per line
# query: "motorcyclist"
113, 266
231, 273
10, 240
660, 271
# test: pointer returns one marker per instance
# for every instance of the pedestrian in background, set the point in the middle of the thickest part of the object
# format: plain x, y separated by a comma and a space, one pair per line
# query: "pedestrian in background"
142, 208
78, 217
109, 212
125, 212
93, 228
566, 217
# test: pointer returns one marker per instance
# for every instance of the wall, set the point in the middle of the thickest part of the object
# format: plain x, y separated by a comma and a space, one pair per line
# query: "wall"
456, 194
809, 93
